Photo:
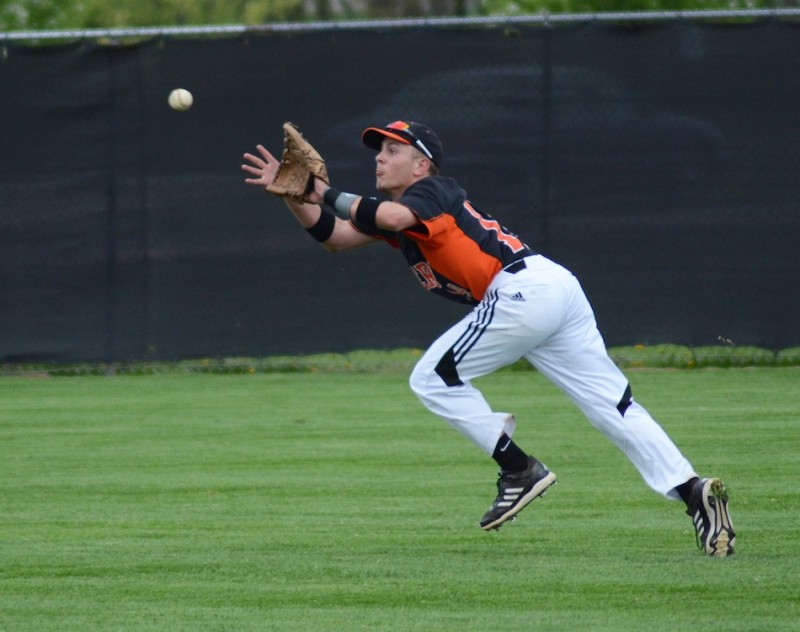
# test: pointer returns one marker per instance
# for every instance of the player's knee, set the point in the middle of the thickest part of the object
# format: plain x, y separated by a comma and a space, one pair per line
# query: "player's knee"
433, 376
423, 379
418, 379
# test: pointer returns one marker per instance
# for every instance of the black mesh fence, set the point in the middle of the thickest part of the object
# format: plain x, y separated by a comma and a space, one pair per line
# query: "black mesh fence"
658, 162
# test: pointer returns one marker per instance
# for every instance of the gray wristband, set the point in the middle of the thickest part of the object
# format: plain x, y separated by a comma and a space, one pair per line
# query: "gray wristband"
339, 202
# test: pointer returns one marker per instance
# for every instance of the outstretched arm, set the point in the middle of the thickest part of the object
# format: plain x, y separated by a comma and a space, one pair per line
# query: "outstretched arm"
262, 168
389, 216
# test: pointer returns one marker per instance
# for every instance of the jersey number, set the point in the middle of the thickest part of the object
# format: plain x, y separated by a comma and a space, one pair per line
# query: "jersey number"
512, 241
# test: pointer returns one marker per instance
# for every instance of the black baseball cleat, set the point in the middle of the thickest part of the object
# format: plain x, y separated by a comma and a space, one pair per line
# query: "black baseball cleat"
708, 508
515, 490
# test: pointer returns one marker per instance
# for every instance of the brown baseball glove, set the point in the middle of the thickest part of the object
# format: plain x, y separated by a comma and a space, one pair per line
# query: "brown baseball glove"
299, 164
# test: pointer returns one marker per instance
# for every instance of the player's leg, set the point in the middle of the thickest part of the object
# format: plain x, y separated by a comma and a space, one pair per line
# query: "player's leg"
576, 360
481, 343
442, 384
494, 335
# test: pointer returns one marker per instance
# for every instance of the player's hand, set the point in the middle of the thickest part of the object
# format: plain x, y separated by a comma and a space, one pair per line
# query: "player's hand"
263, 167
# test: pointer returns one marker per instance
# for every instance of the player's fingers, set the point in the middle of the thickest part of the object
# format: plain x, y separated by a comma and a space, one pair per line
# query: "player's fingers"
251, 169
258, 162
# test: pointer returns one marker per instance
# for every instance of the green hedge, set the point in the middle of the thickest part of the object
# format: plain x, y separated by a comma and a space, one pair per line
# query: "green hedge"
402, 360
676, 356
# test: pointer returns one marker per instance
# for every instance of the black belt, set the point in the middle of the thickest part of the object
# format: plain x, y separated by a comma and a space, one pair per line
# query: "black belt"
513, 268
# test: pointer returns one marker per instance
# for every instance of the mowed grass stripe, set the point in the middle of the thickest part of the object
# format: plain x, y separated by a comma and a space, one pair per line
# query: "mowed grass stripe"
335, 501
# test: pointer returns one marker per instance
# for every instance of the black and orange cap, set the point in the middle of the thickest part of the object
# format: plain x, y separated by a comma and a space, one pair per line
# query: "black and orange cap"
416, 134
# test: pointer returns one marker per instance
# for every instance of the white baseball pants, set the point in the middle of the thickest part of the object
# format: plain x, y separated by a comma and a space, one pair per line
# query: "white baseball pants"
541, 313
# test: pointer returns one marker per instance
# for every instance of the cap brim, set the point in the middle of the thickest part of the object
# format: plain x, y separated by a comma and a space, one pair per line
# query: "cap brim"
373, 137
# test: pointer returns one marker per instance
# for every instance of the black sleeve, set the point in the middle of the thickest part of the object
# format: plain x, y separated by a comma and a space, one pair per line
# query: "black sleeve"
372, 231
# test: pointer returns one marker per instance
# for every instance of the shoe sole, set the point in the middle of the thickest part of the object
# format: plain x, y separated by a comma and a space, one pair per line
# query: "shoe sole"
535, 492
721, 534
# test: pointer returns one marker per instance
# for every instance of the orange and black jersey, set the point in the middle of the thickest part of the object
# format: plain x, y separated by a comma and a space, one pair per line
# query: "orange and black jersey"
456, 250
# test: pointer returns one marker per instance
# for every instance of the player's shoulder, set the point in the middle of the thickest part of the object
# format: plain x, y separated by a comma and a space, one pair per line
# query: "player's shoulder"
441, 188
438, 183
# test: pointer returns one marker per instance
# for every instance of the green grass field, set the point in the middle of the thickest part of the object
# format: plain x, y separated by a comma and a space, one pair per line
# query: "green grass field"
334, 501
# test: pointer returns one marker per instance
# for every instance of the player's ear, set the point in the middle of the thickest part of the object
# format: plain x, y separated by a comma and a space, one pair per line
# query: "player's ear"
423, 166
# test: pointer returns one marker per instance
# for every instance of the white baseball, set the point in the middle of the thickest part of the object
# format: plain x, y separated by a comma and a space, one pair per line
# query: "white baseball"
180, 99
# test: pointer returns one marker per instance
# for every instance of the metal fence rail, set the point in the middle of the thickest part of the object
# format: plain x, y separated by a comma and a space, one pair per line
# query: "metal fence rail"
489, 21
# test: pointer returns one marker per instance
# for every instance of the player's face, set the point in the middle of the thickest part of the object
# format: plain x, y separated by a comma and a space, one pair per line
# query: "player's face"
396, 167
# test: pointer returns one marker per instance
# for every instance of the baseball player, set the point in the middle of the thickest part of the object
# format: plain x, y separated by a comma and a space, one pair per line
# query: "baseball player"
524, 306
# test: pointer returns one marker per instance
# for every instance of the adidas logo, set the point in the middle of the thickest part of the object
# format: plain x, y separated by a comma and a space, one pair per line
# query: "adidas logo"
510, 496
517, 296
